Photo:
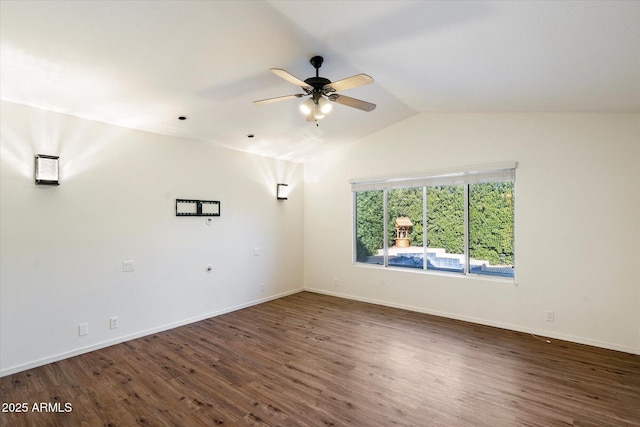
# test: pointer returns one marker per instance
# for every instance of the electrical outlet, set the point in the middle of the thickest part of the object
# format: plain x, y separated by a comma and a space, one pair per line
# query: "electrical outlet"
113, 323
83, 329
335, 282
262, 287
550, 316
257, 252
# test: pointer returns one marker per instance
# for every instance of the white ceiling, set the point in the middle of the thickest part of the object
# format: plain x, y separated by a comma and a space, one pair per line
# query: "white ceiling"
141, 64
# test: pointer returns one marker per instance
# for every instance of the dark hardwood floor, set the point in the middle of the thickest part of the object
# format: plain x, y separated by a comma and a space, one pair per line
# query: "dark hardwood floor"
315, 360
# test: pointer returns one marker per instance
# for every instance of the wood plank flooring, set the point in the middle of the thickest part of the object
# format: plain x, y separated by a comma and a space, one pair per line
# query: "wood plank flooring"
315, 360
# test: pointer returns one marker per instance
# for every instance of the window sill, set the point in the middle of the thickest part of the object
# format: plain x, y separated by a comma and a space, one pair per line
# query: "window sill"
478, 277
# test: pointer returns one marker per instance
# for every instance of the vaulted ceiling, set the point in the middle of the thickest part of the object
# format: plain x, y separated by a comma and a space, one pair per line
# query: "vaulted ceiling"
142, 64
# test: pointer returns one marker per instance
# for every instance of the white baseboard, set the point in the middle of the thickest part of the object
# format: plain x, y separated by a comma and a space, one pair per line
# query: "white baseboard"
104, 344
511, 327
109, 343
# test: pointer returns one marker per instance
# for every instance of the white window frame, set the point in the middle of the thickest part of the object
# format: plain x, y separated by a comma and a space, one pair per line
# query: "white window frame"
495, 172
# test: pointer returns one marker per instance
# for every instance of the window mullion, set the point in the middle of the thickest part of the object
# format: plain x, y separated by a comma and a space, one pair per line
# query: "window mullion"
467, 267
354, 220
424, 228
385, 227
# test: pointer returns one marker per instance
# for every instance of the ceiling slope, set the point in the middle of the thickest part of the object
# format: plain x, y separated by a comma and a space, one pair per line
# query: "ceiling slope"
142, 64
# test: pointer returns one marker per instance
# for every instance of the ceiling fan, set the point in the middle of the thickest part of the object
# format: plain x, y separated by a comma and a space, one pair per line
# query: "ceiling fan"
321, 91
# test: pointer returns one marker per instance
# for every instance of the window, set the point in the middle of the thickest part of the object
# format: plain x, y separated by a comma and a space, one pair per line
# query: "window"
491, 228
454, 221
404, 225
445, 228
369, 227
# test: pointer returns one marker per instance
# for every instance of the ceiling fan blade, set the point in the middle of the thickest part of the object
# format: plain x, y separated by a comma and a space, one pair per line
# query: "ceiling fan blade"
278, 98
290, 78
352, 102
349, 82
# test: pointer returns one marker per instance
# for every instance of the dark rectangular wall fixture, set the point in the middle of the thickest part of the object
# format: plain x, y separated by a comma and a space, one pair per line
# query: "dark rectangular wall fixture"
282, 191
46, 170
189, 207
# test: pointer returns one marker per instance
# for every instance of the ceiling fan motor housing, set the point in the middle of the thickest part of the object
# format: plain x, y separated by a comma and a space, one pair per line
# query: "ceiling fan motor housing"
317, 83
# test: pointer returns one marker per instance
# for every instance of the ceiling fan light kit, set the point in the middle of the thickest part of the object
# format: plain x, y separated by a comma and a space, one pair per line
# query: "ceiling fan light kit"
322, 92
307, 107
324, 105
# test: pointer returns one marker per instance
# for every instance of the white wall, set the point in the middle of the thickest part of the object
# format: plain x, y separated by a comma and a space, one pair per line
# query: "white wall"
62, 247
577, 222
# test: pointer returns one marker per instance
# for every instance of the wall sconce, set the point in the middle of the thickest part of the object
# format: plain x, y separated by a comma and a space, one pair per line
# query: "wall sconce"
46, 172
282, 191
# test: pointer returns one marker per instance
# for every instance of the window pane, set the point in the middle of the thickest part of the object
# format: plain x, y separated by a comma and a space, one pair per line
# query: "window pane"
369, 227
404, 207
491, 228
445, 228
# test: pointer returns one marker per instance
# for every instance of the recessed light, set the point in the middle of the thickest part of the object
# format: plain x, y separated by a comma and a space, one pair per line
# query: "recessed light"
182, 118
